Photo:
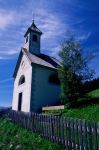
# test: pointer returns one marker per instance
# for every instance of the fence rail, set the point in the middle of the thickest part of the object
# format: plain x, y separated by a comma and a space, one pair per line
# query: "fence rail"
73, 134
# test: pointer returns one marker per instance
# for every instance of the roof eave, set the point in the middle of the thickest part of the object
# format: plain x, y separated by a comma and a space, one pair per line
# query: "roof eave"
18, 61
29, 29
44, 66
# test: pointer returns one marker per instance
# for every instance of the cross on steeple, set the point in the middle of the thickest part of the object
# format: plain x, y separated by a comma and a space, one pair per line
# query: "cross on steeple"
33, 17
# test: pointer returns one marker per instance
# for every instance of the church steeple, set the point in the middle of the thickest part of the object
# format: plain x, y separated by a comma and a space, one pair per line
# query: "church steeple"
33, 39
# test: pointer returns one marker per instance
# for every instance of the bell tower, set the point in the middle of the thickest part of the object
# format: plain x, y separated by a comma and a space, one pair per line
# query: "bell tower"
33, 39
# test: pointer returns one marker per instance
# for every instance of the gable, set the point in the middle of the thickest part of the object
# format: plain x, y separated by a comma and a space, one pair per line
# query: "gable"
22, 64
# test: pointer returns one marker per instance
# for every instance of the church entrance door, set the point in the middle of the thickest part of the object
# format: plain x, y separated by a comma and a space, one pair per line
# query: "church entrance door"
20, 102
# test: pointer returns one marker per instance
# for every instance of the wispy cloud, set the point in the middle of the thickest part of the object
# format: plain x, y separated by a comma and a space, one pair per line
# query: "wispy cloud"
54, 25
6, 18
6, 80
6, 87
50, 23
53, 28
83, 36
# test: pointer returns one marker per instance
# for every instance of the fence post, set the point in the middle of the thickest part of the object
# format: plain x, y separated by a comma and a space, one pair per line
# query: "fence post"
52, 128
85, 135
90, 135
61, 127
73, 134
94, 126
67, 142
81, 135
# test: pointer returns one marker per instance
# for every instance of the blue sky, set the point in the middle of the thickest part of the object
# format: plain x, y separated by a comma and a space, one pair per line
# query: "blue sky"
55, 18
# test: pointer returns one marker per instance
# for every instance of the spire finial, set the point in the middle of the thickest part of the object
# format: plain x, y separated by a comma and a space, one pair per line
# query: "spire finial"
33, 17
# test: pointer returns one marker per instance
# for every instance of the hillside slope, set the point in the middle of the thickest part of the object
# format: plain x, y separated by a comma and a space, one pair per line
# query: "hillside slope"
90, 111
13, 137
86, 108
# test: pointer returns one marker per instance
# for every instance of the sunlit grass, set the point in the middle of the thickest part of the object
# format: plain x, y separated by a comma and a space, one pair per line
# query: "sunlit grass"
13, 137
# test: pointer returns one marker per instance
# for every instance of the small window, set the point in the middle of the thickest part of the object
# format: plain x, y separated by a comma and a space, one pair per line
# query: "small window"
22, 80
26, 39
34, 38
54, 79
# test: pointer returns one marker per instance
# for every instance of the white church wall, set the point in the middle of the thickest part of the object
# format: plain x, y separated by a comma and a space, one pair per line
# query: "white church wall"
45, 93
26, 70
26, 43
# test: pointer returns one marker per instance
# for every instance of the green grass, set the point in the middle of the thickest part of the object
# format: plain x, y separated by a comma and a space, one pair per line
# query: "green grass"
88, 113
86, 108
94, 94
13, 137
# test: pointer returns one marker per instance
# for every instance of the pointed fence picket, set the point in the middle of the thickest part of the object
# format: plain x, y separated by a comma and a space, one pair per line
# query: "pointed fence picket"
72, 134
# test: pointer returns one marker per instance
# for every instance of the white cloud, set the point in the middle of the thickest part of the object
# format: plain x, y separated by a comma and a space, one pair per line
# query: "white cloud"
55, 50
6, 80
51, 24
10, 51
7, 46
6, 18
83, 36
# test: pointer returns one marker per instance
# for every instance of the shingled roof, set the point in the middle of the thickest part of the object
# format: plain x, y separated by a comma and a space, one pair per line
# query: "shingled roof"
41, 59
33, 28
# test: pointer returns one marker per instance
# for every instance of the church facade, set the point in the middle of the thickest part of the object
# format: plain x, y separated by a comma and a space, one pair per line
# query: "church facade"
36, 82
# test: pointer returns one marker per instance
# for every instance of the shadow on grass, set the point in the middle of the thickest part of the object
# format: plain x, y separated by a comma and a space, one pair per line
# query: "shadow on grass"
83, 102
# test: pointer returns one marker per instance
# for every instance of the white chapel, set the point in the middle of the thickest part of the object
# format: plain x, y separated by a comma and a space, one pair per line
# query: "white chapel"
36, 82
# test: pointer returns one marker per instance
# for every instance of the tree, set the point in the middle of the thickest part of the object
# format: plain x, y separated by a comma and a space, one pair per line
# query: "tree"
73, 70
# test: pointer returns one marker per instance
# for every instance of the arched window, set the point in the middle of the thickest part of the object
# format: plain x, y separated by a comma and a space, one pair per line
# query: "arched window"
54, 79
22, 80
35, 38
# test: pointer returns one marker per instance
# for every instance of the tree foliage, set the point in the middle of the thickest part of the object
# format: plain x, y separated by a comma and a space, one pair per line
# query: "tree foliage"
73, 70
91, 85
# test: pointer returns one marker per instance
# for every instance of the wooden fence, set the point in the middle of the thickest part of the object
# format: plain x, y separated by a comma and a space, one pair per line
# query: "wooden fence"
73, 134
3, 112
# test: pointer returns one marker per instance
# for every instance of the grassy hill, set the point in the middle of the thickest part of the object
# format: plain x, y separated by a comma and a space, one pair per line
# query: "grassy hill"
94, 94
13, 137
85, 108
88, 113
